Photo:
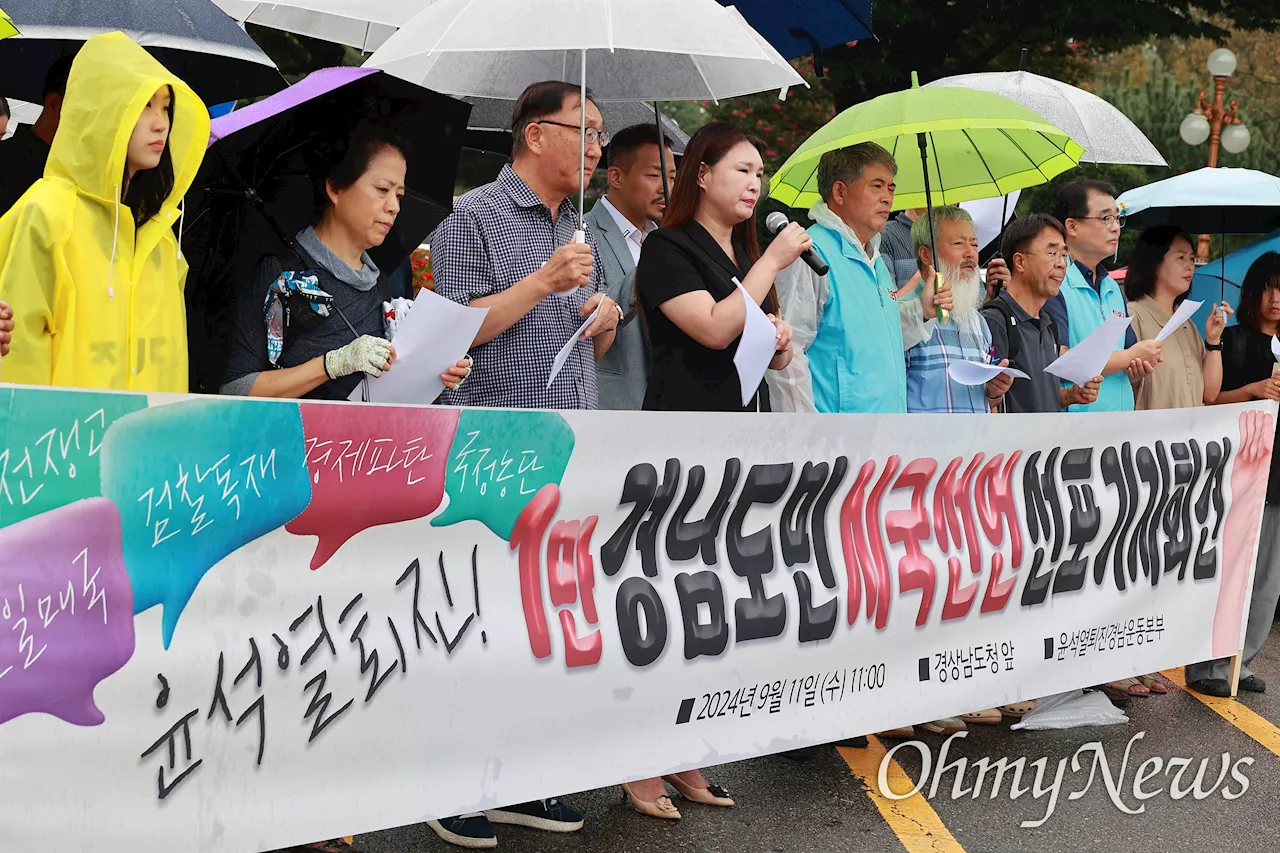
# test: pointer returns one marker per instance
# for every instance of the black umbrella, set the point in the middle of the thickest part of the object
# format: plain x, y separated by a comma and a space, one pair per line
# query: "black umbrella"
194, 39
257, 187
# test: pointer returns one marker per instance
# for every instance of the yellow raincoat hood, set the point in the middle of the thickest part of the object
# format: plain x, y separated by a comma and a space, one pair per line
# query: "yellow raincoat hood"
98, 303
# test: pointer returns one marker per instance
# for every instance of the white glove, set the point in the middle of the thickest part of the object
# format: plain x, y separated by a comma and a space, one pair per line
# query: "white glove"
366, 354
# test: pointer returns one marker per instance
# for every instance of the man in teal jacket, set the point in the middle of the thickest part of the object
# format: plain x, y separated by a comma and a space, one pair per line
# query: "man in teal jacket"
1088, 210
850, 331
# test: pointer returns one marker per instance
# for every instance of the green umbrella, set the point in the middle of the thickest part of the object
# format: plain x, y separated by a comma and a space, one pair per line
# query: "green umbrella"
978, 145
974, 144
6, 26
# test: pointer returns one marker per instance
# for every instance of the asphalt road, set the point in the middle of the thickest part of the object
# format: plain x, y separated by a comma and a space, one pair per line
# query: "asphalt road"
831, 801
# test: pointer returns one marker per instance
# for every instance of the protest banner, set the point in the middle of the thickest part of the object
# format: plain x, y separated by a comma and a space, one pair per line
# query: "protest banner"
234, 625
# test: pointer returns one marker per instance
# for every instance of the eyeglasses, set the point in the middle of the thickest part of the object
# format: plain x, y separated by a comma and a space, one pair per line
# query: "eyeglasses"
594, 136
1108, 220
1053, 257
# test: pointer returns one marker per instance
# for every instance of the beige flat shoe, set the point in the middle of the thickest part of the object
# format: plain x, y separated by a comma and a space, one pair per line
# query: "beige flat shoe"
661, 808
712, 795
945, 726
1018, 710
989, 717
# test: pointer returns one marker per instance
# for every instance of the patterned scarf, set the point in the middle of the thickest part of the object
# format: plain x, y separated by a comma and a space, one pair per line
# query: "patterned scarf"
276, 309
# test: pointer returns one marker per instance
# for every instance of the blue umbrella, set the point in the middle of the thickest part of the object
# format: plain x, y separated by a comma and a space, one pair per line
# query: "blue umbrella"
1206, 201
1221, 279
194, 39
800, 27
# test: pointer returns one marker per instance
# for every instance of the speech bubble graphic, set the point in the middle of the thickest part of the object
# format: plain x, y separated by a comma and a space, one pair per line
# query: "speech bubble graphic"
196, 480
66, 611
370, 466
499, 461
49, 446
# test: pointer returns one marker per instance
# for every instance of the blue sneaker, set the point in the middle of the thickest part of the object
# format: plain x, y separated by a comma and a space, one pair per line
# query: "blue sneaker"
548, 815
472, 831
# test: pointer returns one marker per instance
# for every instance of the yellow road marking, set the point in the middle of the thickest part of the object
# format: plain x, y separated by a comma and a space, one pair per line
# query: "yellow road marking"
913, 820
1234, 712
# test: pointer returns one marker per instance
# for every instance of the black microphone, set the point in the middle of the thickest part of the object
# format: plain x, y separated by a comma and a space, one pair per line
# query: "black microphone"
775, 222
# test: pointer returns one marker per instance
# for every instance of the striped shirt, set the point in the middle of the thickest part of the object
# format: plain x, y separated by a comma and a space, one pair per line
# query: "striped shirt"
929, 388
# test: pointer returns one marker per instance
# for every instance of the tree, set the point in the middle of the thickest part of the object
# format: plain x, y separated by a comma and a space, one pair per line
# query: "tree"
962, 36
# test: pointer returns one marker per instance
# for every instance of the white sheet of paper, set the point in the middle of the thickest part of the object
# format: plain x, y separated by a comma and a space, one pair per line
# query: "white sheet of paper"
1275, 347
756, 349
561, 357
977, 373
1182, 315
431, 338
1087, 359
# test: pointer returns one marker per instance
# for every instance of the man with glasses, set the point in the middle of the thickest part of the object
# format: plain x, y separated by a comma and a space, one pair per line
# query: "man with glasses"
1088, 212
517, 247
1035, 247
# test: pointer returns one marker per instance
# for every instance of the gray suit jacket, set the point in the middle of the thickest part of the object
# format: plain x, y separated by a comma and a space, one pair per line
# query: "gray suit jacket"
624, 371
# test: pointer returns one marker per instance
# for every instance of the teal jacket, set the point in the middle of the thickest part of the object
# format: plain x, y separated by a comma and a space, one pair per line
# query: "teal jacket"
856, 358
1086, 310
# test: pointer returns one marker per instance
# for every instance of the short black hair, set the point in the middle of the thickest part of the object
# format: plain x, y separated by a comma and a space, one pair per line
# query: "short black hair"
55, 81
626, 142
1019, 233
1263, 275
4, 108
537, 102
1144, 263
351, 157
1073, 198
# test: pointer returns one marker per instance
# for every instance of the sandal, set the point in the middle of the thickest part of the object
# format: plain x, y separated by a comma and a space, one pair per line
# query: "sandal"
988, 717
1125, 688
1155, 685
1018, 710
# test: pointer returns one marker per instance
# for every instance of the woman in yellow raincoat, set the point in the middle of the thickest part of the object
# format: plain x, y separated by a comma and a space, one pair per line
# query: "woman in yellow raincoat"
88, 257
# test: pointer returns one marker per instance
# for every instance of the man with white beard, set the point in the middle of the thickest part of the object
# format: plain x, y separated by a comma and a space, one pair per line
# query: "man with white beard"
965, 336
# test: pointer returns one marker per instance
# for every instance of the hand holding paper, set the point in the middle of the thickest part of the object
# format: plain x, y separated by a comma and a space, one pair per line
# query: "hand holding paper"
1087, 359
978, 373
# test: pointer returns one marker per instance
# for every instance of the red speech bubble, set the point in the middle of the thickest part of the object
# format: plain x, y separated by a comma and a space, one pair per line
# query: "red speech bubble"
370, 466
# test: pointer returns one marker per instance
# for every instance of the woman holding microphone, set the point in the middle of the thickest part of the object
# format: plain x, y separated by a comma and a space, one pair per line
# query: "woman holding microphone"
685, 287
694, 316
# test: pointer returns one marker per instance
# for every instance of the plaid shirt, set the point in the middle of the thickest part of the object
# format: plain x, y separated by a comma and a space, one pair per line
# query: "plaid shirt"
497, 235
929, 388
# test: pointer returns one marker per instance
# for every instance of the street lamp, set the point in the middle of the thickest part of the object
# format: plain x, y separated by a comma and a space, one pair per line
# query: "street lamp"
1216, 122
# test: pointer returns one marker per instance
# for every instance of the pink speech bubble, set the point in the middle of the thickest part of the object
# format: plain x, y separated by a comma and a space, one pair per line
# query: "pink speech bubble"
370, 466
66, 611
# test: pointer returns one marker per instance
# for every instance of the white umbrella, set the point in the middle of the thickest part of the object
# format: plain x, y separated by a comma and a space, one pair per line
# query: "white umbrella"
657, 50
362, 24
1107, 135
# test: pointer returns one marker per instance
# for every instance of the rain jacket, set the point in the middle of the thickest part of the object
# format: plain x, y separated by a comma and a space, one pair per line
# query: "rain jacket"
98, 303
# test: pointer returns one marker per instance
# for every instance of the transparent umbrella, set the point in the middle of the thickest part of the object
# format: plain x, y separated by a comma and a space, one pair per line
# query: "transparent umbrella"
659, 50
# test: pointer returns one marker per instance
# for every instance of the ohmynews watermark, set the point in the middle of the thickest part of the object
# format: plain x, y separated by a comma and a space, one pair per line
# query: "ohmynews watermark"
1179, 777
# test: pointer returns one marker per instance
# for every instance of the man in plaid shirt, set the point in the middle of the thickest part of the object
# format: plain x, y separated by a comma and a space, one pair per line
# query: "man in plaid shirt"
513, 246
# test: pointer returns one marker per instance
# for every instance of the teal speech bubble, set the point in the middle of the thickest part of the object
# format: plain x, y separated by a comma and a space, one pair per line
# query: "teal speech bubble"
49, 446
498, 462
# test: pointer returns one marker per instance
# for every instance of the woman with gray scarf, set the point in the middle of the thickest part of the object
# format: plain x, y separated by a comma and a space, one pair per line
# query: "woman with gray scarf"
312, 326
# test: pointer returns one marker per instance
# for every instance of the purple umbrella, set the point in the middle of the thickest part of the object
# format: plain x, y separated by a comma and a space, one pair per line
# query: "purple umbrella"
259, 184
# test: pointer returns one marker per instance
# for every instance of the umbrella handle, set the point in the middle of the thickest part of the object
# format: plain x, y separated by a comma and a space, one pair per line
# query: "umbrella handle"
943, 315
